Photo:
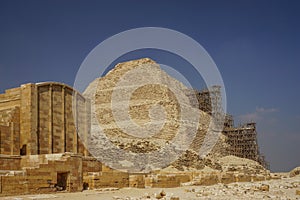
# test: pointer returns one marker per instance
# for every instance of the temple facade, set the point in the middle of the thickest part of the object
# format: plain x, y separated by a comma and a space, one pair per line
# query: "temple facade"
39, 119
40, 147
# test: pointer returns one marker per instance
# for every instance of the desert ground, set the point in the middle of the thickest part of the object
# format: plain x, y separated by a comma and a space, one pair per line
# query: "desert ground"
284, 188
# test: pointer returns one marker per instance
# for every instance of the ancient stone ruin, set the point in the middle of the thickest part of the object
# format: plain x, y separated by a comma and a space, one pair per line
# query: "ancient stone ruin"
44, 126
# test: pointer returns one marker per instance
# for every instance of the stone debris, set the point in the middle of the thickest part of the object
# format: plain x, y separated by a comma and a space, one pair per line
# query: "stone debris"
295, 172
160, 195
273, 189
281, 189
106, 189
43, 196
263, 188
276, 176
285, 188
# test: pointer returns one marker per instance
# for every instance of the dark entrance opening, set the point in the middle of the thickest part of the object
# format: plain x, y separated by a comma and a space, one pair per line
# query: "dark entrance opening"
23, 150
85, 186
62, 178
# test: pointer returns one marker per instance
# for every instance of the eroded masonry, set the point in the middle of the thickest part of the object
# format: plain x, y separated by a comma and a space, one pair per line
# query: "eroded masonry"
43, 127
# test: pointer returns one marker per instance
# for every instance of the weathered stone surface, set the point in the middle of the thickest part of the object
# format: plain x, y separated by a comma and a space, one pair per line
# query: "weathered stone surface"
264, 187
37, 127
38, 119
151, 118
295, 172
245, 166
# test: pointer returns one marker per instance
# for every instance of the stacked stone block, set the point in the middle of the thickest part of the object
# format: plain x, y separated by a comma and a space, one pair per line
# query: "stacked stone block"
41, 174
37, 126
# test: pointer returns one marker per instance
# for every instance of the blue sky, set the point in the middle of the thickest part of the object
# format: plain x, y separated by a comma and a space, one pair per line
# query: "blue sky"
255, 44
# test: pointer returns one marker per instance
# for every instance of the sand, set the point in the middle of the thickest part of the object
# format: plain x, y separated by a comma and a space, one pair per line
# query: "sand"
284, 188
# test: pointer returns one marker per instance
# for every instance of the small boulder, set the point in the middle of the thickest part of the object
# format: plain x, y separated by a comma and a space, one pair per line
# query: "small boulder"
295, 172
163, 193
264, 187
160, 195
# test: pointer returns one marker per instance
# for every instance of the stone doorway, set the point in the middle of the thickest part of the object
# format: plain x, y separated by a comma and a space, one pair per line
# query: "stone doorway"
62, 180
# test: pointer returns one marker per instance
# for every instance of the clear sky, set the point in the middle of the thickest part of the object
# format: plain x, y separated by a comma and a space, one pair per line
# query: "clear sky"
255, 44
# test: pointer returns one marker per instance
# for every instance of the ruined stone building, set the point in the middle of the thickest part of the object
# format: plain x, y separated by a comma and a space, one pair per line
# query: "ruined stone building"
42, 128
38, 119
39, 144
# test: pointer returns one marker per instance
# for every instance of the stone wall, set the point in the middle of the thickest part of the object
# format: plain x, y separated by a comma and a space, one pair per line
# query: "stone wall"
37, 127
39, 119
10, 162
167, 180
102, 179
56, 120
9, 121
137, 180
10, 132
28, 122
40, 174
90, 164
10, 98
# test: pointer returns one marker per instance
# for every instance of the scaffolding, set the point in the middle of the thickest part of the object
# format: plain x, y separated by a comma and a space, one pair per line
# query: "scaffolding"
242, 140
228, 123
210, 100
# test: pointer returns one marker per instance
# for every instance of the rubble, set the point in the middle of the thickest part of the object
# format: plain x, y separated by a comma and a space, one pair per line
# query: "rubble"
295, 172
